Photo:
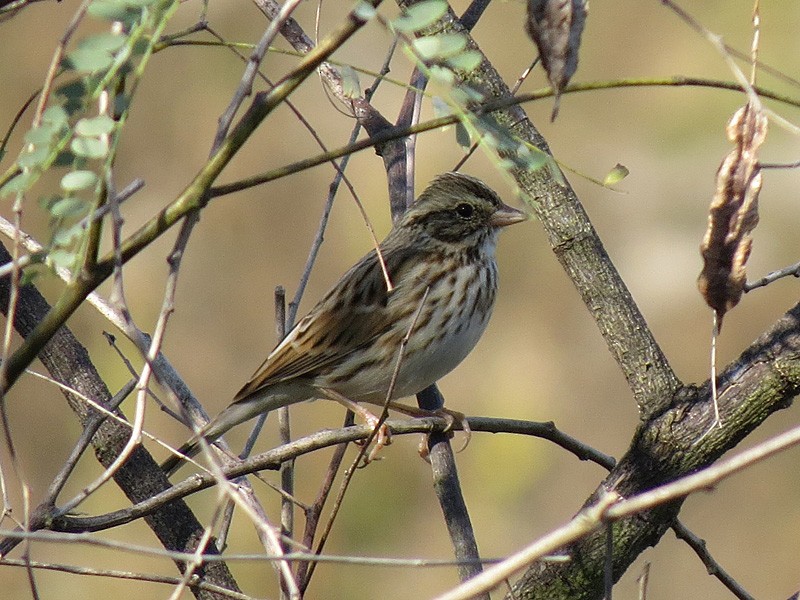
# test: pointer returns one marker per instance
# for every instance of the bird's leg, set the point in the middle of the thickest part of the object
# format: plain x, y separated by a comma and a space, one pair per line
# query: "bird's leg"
382, 435
451, 417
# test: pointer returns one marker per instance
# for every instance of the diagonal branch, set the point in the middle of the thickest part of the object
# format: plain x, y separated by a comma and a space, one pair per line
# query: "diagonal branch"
140, 477
579, 249
192, 198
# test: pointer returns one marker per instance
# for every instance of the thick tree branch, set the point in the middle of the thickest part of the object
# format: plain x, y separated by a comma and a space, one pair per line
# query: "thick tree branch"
192, 198
675, 436
578, 248
140, 477
680, 440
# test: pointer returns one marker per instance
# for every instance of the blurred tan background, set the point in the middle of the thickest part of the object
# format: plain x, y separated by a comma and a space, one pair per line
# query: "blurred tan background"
542, 358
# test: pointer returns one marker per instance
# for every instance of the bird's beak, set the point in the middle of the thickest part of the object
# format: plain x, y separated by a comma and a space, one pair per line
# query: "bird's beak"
506, 215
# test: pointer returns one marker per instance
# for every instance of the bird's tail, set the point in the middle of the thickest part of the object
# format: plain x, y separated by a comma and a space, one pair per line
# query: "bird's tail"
261, 401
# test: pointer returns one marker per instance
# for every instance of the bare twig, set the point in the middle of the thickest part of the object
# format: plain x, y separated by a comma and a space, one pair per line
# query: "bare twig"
314, 512
194, 583
793, 271
708, 477
91, 427
712, 566
55, 63
246, 84
587, 520
68, 361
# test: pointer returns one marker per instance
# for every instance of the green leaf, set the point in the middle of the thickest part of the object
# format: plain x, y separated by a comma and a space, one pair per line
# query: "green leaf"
104, 42
89, 147
78, 180
56, 116
139, 3
419, 16
440, 107
65, 158
440, 46
29, 275
47, 202
555, 172
73, 95
20, 183
114, 10
121, 103
140, 46
94, 126
505, 164
466, 61
40, 136
364, 11
33, 158
472, 94
530, 157
62, 258
69, 207
67, 236
351, 87
88, 60
459, 96
615, 175
74, 90
442, 75
462, 135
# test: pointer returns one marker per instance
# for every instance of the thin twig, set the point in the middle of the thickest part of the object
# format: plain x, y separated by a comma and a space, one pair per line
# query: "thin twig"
55, 63
491, 106
314, 512
362, 453
285, 433
712, 566
587, 520
8, 229
793, 271
84, 441
273, 458
246, 83
194, 583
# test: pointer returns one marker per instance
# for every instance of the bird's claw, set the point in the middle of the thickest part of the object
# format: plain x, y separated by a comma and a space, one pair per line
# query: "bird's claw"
452, 419
381, 437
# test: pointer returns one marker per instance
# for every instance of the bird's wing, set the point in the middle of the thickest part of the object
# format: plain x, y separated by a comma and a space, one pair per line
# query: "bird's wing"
336, 326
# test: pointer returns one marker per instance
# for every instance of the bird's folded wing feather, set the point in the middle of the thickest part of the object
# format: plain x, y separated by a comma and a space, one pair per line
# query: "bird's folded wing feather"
342, 322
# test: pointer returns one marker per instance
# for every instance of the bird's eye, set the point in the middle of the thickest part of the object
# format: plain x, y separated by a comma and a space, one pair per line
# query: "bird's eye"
464, 210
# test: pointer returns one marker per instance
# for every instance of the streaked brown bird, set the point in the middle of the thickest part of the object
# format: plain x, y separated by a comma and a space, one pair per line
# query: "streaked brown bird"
440, 260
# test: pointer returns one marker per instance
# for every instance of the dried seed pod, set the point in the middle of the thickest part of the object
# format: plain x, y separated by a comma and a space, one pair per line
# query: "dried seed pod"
733, 213
555, 26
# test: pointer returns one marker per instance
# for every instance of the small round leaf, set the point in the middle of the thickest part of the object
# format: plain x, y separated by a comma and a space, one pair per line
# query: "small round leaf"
65, 237
615, 175
113, 10
95, 126
466, 61
62, 258
421, 15
36, 157
78, 180
55, 116
20, 183
68, 207
106, 42
39, 136
88, 60
89, 147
